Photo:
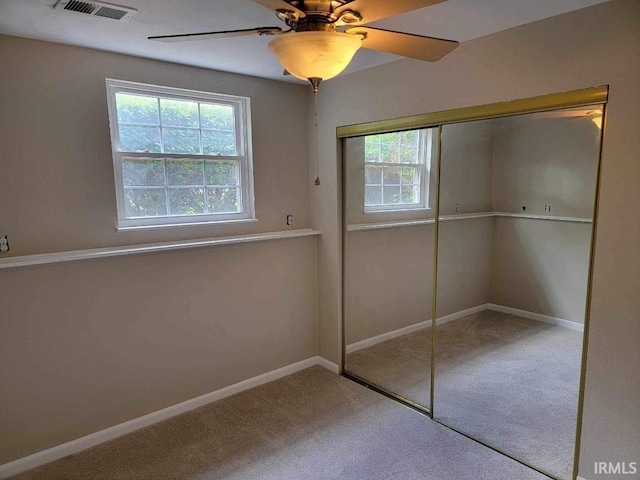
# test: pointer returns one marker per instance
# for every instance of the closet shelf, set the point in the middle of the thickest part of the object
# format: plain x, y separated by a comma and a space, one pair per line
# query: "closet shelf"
462, 216
88, 254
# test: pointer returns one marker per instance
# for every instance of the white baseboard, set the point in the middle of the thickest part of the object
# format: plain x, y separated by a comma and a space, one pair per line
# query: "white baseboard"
369, 342
332, 367
561, 322
79, 444
354, 347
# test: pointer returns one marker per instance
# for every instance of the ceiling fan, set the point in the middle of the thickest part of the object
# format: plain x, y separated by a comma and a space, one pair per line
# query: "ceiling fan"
324, 35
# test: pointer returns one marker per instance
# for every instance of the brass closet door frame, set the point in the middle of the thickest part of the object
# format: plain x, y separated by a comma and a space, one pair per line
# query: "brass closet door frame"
576, 98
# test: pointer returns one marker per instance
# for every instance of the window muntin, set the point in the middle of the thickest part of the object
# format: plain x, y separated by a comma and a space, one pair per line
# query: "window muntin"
179, 156
396, 170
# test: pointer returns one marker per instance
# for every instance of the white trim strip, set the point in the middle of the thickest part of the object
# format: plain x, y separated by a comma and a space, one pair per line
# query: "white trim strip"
561, 322
354, 347
462, 216
185, 224
332, 367
45, 258
466, 216
380, 225
32, 461
552, 218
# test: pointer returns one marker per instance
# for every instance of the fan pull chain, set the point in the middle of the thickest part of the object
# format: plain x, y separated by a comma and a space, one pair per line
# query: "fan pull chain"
314, 83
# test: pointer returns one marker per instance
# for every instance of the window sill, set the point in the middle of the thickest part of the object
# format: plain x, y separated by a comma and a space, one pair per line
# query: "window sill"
395, 210
89, 254
126, 228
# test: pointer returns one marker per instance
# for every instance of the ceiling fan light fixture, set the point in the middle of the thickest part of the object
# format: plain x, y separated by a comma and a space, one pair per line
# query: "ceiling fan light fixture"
315, 54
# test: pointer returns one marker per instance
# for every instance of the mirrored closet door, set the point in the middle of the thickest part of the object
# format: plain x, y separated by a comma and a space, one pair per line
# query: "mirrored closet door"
516, 214
467, 242
389, 192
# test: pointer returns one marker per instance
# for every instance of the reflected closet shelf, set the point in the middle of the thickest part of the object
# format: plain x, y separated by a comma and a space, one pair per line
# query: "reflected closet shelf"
462, 216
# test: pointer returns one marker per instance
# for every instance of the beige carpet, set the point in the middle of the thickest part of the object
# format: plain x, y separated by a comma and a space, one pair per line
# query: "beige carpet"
310, 425
505, 380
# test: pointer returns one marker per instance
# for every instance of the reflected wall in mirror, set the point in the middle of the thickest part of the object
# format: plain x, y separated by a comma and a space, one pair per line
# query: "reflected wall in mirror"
389, 194
516, 211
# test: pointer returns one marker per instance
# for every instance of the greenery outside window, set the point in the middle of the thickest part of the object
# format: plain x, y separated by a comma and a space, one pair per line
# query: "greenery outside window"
180, 156
396, 170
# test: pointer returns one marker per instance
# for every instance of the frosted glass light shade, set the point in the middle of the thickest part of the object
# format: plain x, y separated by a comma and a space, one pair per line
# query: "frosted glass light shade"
321, 55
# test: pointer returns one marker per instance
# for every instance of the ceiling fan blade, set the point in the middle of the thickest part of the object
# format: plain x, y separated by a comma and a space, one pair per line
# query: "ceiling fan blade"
428, 49
276, 5
222, 34
372, 10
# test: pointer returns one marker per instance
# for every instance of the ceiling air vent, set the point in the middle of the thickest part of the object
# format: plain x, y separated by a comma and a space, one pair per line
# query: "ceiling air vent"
98, 9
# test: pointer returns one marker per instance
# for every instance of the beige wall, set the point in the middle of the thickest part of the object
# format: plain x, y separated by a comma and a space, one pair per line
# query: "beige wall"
57, 171
389, 280
86, 345
541, 266
467, 168
590, 47
540, 162
464, 264
390, 274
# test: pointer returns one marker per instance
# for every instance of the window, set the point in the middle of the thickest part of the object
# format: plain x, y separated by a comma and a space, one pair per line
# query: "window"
179, 156
396, 170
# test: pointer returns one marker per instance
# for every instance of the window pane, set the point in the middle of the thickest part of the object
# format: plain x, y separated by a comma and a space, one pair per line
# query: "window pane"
372, 174
186, 201
390, 138
373, 195
408, 195
134, 138
184, 172
392, 175
409, 176
391, 195
409, 155
219, 117
389, 153
137, 109
145, 202
181, 140
371, 150
223, 200
218, 143
179, 113
409, 138
220, 173
142, 172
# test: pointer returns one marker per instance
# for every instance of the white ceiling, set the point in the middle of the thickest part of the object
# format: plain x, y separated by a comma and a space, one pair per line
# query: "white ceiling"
460, 20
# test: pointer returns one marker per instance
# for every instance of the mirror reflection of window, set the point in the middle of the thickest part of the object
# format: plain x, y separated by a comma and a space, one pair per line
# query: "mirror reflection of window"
397, 170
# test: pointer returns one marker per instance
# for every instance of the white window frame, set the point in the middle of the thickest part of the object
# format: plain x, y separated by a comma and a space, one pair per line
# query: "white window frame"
243, 155
425, 145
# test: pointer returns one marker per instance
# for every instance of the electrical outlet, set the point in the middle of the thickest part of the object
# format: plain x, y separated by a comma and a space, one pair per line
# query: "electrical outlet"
4, 243
457, 208
547, 208
289, 220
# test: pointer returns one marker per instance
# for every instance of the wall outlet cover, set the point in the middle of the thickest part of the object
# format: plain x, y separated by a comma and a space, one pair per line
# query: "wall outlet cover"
4, 243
